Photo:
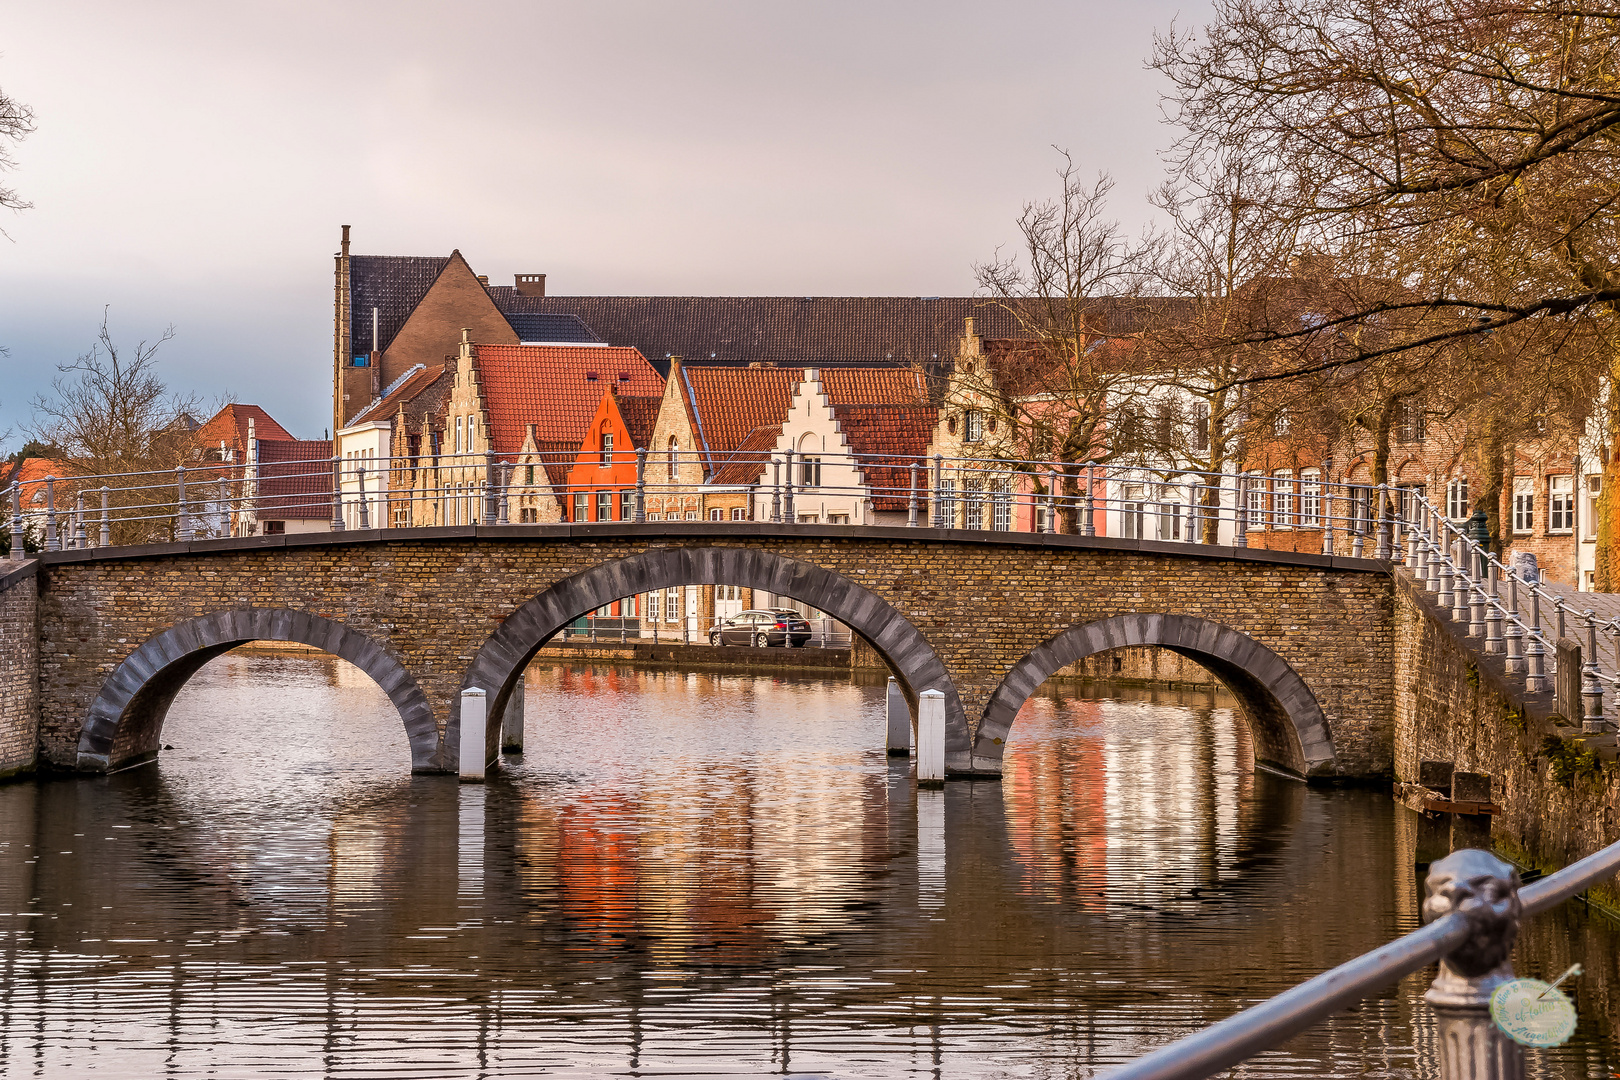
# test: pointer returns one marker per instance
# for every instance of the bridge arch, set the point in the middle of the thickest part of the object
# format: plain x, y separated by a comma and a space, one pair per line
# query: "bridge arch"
124, 724
1289, 729
500, 662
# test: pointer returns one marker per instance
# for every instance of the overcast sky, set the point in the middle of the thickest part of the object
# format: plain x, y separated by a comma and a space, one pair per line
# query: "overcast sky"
194, 161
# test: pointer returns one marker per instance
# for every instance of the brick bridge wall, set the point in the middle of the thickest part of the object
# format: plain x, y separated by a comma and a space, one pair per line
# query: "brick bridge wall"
418, 608
1454, 703
19, 668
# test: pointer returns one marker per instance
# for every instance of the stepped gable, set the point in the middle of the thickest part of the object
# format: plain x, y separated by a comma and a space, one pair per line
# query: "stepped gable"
394, 285
730, 403
554, 387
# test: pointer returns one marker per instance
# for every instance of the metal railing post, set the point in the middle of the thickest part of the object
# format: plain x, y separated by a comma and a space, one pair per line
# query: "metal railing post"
1493, 611
19, 548
1051, 501
1477, 603
911, 503
1592, 722
106, 522
337, 495
1382, 550
1088, 527
78, 522
938, 509
1461, 584
1448, 578
1436, 552
224, 506
1240, 512
1558, 610
1515, 632
776, 490
52, 542
1327, 512
182, 508
787, 491
641, 486
365, 508
503, 501
1535, 653
1471, 1045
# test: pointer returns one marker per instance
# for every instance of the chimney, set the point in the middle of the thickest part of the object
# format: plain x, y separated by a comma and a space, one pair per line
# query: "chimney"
531, 284
483, 279
345, 241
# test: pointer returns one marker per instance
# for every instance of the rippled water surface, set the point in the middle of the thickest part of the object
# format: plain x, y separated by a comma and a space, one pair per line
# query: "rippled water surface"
695, 875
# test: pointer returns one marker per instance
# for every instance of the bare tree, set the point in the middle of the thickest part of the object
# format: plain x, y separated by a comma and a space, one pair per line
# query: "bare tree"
1073, 285
109, 412
16, 124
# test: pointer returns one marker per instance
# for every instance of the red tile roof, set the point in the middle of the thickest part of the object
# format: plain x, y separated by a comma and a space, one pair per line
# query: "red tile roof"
295, 479
30, 473
751, 459
639, 414
230, 425
730, 403
894, 435
554, 387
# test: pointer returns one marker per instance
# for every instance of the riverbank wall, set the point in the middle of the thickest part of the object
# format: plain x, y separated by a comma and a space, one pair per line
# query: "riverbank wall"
19, 668
1556, 796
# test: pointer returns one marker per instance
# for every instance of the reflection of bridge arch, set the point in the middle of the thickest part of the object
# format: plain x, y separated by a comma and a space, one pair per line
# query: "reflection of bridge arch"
500, 662
1289, 730
125, 722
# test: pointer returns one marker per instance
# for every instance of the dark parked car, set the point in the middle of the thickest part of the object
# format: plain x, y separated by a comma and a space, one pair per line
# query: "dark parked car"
775, 626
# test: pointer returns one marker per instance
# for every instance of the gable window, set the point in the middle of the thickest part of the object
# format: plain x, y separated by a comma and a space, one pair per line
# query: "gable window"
1524, 504
1281, 423
1457, 498
458, 434
607, 448
674, 453
529, 475
1560, 504
810, 472
472, 428
973, 426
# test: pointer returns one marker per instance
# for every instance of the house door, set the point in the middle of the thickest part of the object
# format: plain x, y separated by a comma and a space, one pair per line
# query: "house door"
727, 601
692, 595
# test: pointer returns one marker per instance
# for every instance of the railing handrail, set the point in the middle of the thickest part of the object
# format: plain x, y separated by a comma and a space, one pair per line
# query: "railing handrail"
1261, 1027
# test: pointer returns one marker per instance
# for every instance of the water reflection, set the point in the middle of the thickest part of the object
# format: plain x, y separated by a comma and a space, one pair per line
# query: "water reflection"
698, 875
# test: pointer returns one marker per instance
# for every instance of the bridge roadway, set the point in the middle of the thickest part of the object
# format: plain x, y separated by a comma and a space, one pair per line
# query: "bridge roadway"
1305, 642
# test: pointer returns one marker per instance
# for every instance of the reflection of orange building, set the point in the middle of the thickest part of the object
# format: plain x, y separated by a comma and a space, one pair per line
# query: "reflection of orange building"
1057, 802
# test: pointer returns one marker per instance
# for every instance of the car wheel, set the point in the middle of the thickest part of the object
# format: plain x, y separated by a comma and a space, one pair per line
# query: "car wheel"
714, 638
762, 641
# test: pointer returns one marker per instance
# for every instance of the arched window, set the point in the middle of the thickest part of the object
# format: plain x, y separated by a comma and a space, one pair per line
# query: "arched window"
674, 453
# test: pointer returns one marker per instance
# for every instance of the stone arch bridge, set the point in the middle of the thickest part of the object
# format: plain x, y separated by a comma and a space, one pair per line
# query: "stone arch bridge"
1304, 641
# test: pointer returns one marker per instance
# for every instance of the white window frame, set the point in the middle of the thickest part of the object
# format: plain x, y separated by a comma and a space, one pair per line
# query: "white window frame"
1524, 505
972, 425
1457, 498
1560, 505
1310, 498
1282, 499
1594, 491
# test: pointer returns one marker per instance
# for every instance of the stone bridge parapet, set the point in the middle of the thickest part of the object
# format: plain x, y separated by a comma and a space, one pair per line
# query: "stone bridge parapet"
1304, 641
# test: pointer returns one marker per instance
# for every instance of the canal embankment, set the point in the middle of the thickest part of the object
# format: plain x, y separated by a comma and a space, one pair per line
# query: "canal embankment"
19, 668
1554, 796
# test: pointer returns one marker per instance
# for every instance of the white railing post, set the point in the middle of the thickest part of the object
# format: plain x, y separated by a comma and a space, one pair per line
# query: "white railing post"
930, 738
1461, 583
337, 494
78, 522
788, 512
473, 747
182, 508
1493, 611
899, 718
1088, 527
52, 541
1515, 633
641, 486
18, 546
1382, 550
911, 502
364, 505
1448, 579
106, 522
1535, 653
1592, 722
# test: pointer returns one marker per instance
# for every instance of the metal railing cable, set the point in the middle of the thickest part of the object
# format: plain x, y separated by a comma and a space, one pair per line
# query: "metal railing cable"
1264, 1026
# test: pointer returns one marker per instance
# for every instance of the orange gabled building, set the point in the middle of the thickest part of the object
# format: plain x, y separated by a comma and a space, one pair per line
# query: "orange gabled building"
602, 483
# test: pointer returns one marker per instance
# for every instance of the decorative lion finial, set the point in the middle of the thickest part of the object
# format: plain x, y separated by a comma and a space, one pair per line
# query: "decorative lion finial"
1485, 891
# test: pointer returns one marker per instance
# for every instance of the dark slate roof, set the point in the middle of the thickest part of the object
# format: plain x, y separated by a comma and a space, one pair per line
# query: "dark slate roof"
394, 285
541, 328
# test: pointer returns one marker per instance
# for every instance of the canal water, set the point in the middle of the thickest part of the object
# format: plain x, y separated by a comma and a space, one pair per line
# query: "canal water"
703, 875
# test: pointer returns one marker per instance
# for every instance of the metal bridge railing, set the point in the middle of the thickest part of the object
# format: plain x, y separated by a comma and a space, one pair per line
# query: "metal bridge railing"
1473, 909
